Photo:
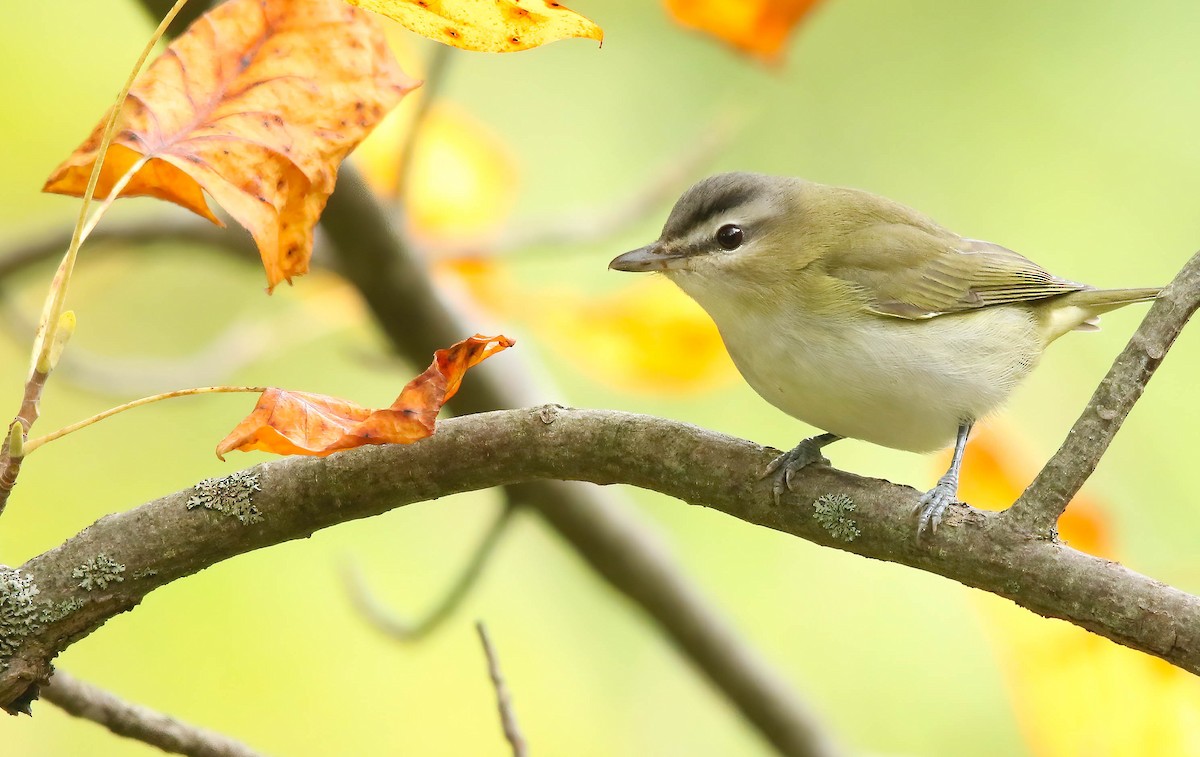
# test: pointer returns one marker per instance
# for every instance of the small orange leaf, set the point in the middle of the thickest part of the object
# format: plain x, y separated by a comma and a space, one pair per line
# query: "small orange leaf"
299, 423
256, 103
490, 26
756, 27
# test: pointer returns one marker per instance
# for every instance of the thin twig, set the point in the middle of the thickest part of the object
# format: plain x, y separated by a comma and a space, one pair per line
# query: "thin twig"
405, 630
508, 718
10, 463
48, 339
33, 444
57, 297
52, 310
133, 721
1040, 506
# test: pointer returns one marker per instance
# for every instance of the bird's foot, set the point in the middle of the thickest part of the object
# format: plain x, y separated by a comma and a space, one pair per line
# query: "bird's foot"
786, 466
933, 504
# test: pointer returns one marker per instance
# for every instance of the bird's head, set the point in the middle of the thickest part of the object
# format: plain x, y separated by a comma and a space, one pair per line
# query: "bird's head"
744, 231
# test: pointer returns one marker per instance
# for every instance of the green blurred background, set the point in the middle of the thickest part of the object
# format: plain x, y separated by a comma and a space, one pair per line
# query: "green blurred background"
1062, 130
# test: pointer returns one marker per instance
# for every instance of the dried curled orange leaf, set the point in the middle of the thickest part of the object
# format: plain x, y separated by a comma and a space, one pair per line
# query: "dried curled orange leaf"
300, 423
490, 26
256, 103
756, 27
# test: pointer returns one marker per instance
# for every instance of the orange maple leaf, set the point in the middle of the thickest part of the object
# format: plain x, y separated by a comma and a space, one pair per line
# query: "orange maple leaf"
300, 423
256, 103
756, 27
493, 26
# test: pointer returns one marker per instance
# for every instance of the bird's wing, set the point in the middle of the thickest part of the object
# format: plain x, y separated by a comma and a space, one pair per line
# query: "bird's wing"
911, 272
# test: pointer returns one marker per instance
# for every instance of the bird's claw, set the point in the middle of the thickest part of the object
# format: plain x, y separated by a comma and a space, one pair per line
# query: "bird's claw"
933, 504
785, 467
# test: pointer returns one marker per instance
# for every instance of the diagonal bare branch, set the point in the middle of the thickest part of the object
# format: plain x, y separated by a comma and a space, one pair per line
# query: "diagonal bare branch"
1039, 507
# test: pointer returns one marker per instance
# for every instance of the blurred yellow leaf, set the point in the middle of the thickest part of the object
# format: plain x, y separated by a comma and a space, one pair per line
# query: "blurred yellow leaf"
648, 336
463, 178
755, 27
492, 26
1076, 693
484, 282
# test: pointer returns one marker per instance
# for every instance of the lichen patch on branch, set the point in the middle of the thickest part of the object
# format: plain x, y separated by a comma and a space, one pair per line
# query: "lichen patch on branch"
232, 495
19, 614
832, 512
99, 572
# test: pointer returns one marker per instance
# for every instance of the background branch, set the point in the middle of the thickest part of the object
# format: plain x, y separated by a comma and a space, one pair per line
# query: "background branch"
165, 540
404, 630
174, 225
83, 700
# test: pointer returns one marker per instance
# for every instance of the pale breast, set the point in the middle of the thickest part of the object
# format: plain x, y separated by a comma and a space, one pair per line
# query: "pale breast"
894, 382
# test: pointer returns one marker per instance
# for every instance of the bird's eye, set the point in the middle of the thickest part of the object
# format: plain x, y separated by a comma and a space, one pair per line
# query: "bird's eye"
730, 236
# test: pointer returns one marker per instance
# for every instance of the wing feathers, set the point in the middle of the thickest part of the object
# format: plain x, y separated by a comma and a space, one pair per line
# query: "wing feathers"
910, 272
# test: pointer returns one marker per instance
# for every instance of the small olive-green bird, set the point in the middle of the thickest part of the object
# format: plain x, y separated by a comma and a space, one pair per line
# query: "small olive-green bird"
863, 317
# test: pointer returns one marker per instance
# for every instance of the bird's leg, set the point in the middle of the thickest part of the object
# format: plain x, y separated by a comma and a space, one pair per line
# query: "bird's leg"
786, 465
935, 501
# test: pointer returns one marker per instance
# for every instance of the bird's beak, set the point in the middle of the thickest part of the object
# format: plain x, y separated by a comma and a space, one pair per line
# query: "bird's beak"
652, 257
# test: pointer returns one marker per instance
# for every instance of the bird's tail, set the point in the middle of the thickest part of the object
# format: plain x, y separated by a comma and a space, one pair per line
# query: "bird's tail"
1081, 311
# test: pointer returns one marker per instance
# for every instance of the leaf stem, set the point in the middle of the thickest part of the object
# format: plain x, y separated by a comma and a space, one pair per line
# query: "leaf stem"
45, 341
57, 295
33, 444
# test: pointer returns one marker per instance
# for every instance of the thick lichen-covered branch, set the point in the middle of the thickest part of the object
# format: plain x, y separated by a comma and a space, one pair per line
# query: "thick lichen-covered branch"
165, 540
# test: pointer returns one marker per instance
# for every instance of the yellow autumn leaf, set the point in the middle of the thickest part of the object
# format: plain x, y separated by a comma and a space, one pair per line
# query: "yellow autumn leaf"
485, 282
462, 183
647, 337
1075, 693
491, 26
